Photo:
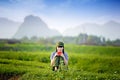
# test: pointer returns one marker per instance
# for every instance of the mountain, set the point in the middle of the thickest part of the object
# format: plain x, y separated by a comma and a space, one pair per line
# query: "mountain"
110, 30
8, 27
35, 26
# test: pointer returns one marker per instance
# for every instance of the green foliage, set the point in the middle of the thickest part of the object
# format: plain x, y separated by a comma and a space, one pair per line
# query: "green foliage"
26, 47
85, 63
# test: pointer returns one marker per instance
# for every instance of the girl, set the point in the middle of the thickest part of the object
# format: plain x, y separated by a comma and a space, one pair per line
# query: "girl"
59, 53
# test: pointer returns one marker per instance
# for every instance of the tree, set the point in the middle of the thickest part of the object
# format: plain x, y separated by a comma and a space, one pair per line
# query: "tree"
82, 38
94, 40
34, 39
116, 42
25, 39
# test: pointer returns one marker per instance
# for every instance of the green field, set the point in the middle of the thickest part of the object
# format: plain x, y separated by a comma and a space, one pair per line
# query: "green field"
32, 62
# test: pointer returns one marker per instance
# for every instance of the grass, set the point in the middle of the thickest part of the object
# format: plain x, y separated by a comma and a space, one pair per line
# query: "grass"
85, 63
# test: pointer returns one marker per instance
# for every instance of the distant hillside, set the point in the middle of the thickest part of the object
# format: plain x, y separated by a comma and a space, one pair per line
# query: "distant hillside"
8, 27
109, 30
34, 26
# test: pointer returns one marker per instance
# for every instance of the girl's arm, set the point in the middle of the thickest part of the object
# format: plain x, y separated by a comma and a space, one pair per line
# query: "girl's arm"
53, 59
65, 60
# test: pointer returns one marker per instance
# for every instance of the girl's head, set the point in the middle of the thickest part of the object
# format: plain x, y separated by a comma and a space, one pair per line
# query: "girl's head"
60, 47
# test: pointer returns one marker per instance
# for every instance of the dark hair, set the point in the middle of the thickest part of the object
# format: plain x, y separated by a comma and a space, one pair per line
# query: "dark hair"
62, 51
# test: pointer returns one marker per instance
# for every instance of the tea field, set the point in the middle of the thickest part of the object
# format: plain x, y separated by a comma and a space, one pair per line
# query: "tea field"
32, 62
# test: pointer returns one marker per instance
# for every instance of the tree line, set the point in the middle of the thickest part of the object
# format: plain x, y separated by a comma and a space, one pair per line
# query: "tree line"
81, 39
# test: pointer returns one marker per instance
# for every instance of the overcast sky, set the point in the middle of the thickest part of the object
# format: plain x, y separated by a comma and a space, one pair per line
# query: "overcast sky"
62, 14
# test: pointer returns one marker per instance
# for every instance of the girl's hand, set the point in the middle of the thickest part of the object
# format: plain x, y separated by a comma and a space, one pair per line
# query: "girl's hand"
62, 55
55, 54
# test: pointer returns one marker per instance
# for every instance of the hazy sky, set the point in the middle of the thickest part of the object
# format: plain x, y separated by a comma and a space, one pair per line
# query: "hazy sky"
62, 14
